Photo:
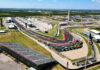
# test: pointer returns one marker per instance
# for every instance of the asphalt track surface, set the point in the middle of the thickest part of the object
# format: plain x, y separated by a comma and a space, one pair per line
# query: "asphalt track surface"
68, 38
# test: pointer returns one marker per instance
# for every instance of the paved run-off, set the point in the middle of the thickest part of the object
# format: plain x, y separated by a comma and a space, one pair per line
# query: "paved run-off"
78, 53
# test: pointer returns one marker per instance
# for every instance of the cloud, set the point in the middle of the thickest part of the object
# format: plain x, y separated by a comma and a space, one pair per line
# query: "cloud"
96, 1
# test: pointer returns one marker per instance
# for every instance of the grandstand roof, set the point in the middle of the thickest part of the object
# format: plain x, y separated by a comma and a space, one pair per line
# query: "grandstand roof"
27, 53
97, 36
95, 31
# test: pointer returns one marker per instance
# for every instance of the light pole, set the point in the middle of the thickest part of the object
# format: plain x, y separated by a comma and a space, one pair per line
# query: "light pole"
85, 63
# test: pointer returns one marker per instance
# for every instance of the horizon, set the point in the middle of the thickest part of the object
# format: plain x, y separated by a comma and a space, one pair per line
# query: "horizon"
52, 4
46, 9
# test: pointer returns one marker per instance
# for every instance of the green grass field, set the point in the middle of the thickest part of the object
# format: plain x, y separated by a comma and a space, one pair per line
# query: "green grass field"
61, 37
98, 46
52, 33
5, 14
96, 68
23, 40
89, 47
97, 28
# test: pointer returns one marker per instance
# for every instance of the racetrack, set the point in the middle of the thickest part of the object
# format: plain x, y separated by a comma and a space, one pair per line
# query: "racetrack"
69, 39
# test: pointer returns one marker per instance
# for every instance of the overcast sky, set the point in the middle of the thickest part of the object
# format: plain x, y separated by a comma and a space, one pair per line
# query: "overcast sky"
51, 4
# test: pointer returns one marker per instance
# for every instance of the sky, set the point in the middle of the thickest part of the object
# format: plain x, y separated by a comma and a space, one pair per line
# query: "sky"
51, 4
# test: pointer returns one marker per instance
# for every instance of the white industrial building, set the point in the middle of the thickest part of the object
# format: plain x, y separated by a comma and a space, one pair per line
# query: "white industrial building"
96, 35
97, 38
95, 32
40, 26
8, 19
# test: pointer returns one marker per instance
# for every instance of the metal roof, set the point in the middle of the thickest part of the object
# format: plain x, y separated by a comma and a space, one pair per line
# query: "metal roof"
94, 31
27, 53
97, 36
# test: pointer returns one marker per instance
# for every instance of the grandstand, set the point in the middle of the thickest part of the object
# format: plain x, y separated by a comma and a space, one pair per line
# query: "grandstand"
26, 55
95, 37
86, 33
68, 36
95, 32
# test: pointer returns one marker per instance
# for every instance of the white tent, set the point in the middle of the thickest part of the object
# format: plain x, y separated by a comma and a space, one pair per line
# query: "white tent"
11, 26
1, 31
97, 38
31, 68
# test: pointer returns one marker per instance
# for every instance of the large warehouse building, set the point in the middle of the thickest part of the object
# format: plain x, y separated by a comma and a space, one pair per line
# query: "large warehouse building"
26, 55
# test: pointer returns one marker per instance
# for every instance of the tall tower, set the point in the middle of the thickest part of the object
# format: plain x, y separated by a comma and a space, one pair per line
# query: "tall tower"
68, 15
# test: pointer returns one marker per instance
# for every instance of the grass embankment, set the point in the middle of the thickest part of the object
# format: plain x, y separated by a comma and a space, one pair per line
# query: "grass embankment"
78, 59
98, 46
52, 24
61, 37
96, 28
89, 47
58, 67
96, 68
52, 33
23, 40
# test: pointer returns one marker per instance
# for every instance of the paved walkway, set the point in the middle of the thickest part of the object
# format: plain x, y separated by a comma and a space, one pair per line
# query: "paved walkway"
7, 63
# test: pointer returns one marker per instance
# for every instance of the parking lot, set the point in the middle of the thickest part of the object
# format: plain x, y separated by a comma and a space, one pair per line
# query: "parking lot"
7, 63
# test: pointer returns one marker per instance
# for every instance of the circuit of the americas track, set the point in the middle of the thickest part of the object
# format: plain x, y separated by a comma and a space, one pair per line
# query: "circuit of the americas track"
68, 41
55, 42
